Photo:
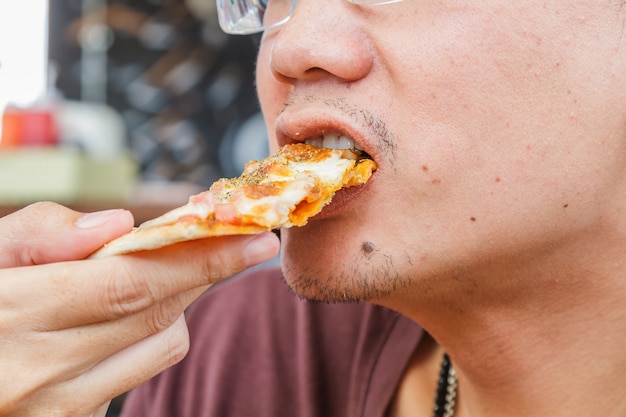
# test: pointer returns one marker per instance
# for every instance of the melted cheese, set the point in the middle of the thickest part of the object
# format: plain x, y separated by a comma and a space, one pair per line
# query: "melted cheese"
283, 190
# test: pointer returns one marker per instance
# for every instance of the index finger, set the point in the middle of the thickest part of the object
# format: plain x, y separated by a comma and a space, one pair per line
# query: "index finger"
71, 294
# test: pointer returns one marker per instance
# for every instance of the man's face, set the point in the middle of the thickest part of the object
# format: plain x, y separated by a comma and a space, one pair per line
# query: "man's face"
498, 127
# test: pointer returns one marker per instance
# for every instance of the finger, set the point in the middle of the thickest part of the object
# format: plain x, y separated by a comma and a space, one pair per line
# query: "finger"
102, 410
93, 343
113, 376
72, 294
48, 232
126, 369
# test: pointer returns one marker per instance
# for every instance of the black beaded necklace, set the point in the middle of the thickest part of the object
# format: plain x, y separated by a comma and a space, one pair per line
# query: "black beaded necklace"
445, 399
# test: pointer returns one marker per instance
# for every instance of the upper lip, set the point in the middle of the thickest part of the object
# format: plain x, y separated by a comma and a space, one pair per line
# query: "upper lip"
296, 127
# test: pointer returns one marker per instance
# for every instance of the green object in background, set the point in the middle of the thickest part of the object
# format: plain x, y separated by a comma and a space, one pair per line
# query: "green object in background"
64, 175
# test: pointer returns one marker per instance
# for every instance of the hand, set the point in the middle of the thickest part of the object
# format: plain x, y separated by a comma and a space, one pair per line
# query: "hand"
75, 333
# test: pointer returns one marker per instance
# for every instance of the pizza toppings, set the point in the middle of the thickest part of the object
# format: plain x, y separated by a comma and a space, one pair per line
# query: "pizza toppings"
283, 190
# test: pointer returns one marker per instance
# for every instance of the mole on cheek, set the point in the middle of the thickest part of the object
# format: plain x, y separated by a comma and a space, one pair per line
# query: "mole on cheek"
367, 247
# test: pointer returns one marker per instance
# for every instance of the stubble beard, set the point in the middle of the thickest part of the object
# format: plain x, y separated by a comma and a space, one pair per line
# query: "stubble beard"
349, 282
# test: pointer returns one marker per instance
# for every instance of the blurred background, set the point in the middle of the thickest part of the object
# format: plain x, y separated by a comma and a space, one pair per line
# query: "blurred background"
134, 103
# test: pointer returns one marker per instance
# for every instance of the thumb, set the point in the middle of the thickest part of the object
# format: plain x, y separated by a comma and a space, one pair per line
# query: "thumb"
48, 232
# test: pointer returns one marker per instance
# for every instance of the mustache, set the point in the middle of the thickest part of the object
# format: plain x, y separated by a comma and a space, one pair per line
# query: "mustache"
375, 126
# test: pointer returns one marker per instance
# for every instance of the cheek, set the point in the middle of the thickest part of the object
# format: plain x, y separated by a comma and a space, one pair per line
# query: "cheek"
487, 106
272, 94
263, 73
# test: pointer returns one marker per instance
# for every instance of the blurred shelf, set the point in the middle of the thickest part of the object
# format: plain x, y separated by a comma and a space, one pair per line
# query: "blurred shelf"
150, 200
141, 212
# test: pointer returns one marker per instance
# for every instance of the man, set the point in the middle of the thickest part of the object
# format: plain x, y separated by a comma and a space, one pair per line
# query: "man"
496, 218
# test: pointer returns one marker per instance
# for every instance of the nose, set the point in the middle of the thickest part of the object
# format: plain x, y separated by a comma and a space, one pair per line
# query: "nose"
321, 39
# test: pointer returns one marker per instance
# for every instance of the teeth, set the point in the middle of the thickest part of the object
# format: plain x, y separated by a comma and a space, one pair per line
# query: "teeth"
332, 141
318, 142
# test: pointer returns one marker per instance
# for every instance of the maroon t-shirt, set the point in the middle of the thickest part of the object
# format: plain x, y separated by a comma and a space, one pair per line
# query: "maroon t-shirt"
257, 350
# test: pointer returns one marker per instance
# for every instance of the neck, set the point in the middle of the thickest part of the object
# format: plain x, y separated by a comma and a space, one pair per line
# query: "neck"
555, 347
558, 363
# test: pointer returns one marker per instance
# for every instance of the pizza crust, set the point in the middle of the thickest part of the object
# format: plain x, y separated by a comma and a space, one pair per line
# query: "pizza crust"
165, 235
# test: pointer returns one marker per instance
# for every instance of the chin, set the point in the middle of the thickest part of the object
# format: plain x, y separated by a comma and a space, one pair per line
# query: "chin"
320, 264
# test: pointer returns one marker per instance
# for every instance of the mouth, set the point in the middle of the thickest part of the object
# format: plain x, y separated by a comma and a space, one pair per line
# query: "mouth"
339, 142
333, 141
317, 127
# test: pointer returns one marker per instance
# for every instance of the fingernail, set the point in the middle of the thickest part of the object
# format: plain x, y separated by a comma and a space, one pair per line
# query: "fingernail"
95, 219
262, 248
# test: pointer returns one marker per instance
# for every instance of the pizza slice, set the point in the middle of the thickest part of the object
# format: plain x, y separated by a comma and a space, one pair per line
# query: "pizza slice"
283, 190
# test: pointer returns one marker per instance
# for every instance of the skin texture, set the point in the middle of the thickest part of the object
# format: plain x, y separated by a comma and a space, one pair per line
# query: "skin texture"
497, 216
97, 327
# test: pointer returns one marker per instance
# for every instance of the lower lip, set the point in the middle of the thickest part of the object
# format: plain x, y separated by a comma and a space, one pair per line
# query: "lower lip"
342, 200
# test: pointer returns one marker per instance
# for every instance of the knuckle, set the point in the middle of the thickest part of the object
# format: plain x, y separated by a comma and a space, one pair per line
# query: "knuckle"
163, 315
172, 346
125, 294
19, 232
178, 346
44, 206
36, 210
220, 265
177, 353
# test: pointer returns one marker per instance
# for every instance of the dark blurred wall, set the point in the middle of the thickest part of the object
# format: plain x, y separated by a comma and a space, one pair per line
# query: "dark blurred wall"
182, 87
